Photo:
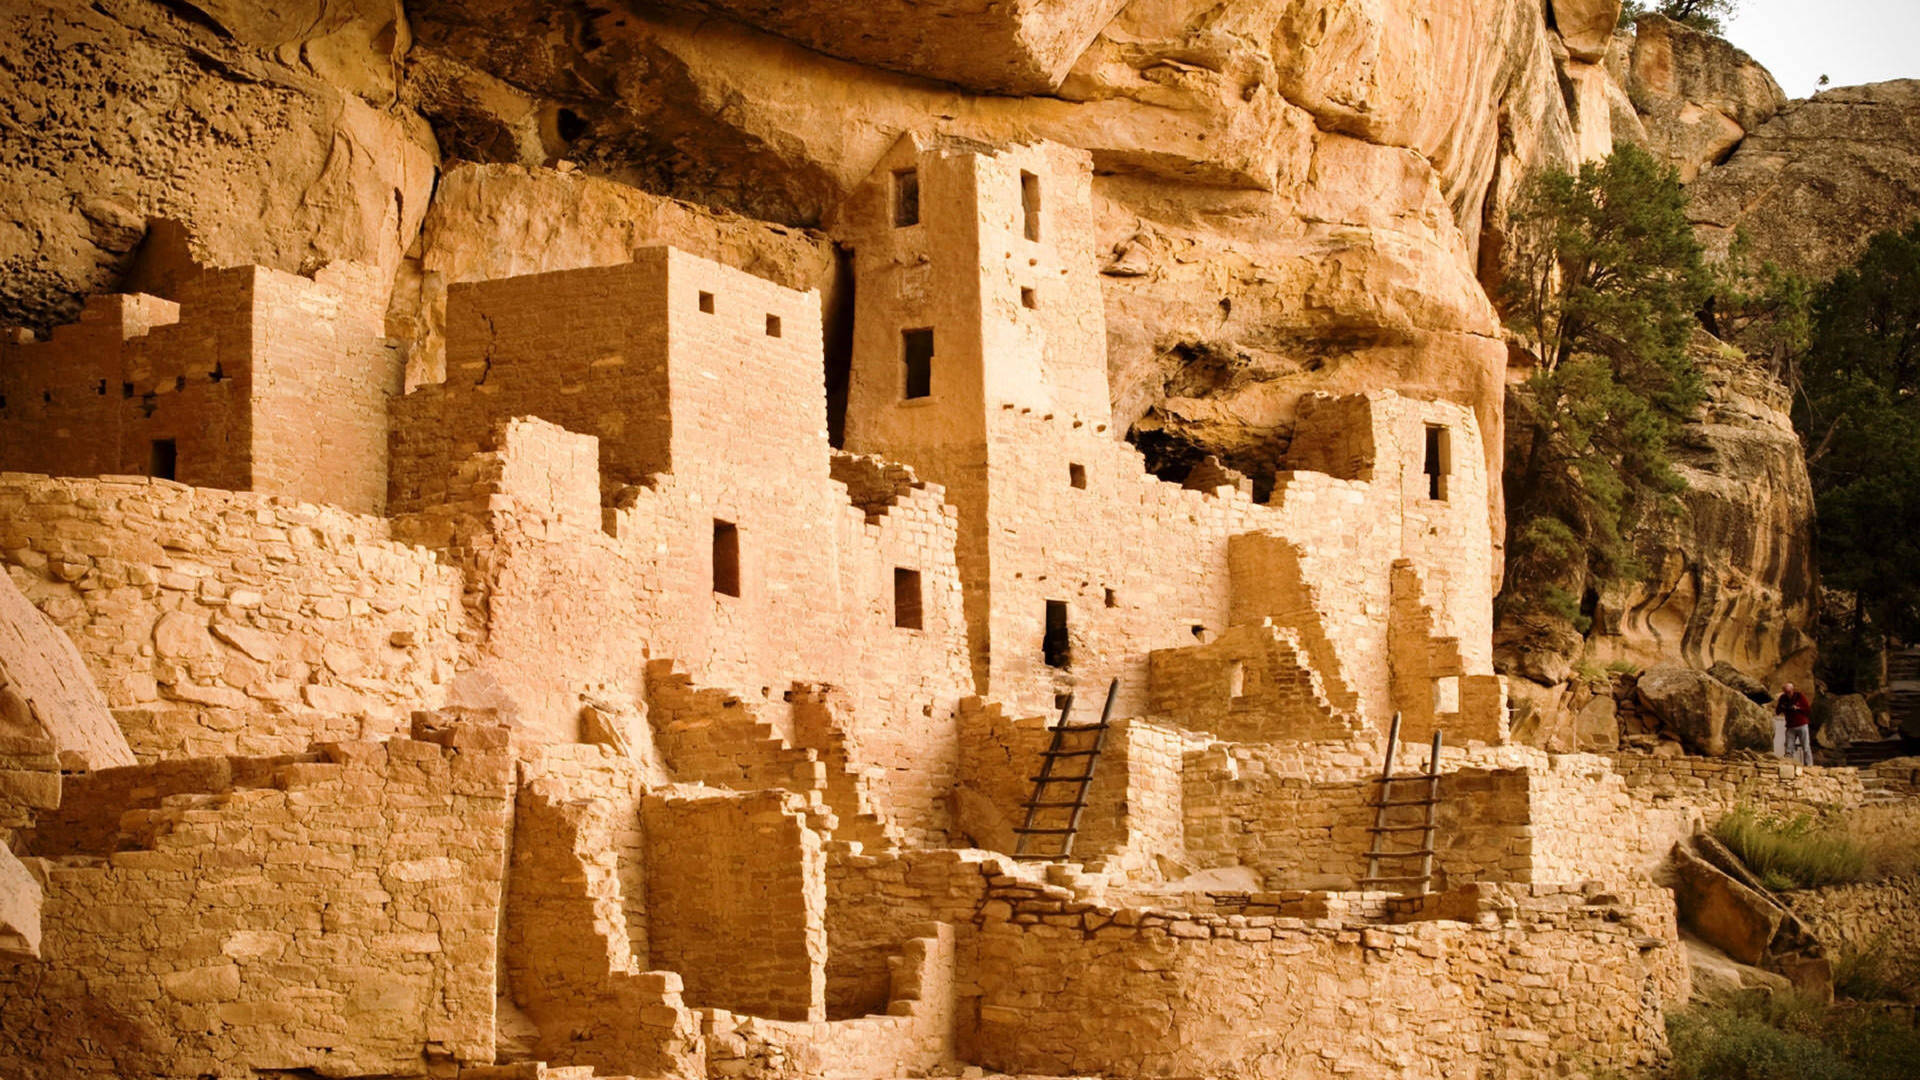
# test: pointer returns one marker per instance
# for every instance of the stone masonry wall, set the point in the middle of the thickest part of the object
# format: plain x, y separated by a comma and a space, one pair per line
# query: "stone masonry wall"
1542, 982
1713, 787
223, 622
263, 380
736, 895
1867, 918
339, 918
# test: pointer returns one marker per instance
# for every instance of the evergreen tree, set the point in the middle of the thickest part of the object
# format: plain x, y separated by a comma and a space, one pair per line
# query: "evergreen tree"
1606, 279
1707, 15
1857, 408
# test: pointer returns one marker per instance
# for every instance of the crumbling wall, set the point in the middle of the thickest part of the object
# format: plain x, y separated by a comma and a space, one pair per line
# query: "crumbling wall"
1541, 981
571, 962
1254, 683
877, 902
260, 380
1877, 918
224, 622
736, 896
341, 919
1714, 786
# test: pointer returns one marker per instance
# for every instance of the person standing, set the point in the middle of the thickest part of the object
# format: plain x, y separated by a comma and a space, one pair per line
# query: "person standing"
1797, 711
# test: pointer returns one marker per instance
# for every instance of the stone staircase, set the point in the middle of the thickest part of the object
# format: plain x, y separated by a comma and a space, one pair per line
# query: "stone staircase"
1903, 690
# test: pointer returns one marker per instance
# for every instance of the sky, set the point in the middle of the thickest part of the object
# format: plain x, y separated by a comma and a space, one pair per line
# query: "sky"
1850, 41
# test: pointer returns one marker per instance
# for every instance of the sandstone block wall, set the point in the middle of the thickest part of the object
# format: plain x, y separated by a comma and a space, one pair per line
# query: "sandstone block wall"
1713, 787
724, 870
876, 903
1254, 683
1867, 918
232, 623
1545, 981
261, 380
340, 918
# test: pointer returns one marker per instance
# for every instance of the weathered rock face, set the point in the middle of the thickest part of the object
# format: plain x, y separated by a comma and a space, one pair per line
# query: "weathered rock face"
1018, 48
1848, 720
1697, 95
20, 899
47, 694
1708, 715
1812, 184
1732, 570
142, 112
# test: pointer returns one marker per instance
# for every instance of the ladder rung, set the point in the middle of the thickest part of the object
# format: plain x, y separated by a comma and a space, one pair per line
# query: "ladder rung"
1073, 728
1384, 880
1023, 830
1025, 856
1071, 753
1059, 779
1400, 854
1408, 802
1407, 779
1400, 828
1074, 805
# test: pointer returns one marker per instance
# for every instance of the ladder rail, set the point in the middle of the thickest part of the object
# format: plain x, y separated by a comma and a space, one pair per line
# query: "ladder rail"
1380, 812
1433, 804
1046, 783
1041, 781
1428, 828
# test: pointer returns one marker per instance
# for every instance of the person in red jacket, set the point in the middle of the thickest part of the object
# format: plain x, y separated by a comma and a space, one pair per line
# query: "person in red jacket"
1794, 707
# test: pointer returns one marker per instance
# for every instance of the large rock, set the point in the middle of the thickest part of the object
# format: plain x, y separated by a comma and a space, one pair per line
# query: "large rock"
1755, 690
1812, 184
1697, 95
1586, 26
46, 693
1739, 921
1709, 716
20, 898
1848, 720
136, 110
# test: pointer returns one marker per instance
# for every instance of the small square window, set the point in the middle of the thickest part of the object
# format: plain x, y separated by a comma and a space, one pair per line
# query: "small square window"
773, 326
1113, 600
706, 302
163, 459
1237, 680
1028, 299
1439, 461
1077, 475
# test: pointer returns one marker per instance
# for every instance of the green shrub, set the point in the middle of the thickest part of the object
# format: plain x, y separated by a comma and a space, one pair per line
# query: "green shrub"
1876, 973
1755, 1038
1793, 853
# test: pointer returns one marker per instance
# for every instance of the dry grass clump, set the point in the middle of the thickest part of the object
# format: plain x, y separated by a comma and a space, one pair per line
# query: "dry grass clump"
1800, 852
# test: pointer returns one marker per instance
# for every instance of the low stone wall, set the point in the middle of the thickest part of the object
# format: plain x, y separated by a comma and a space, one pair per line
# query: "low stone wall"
878, 902
223, 623
1714, 786
1543, 982
1869, 917
368, 880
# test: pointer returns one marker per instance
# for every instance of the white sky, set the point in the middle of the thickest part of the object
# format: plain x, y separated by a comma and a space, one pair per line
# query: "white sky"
1851, 41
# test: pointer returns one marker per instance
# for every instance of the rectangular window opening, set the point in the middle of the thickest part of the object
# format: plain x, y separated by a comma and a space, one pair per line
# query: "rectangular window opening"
906, 598
1113, 599
726, 558
706, 302
1439, 461
1237, 680
1054, 647
906, 198
773, 326
1029, 299
1077, 475
1030, 203
916, 350
163, 459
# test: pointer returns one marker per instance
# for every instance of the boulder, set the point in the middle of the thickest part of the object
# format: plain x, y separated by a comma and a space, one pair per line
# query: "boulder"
1755, 690
1721, 911
1812, 184
1596, 727
1697, 95
47, 695
1586, 26
1848, 720
1709, 716
1717, 976
20, 898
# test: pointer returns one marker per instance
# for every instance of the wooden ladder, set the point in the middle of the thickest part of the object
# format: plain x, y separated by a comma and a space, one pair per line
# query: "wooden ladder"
1058, 796
1381, 849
